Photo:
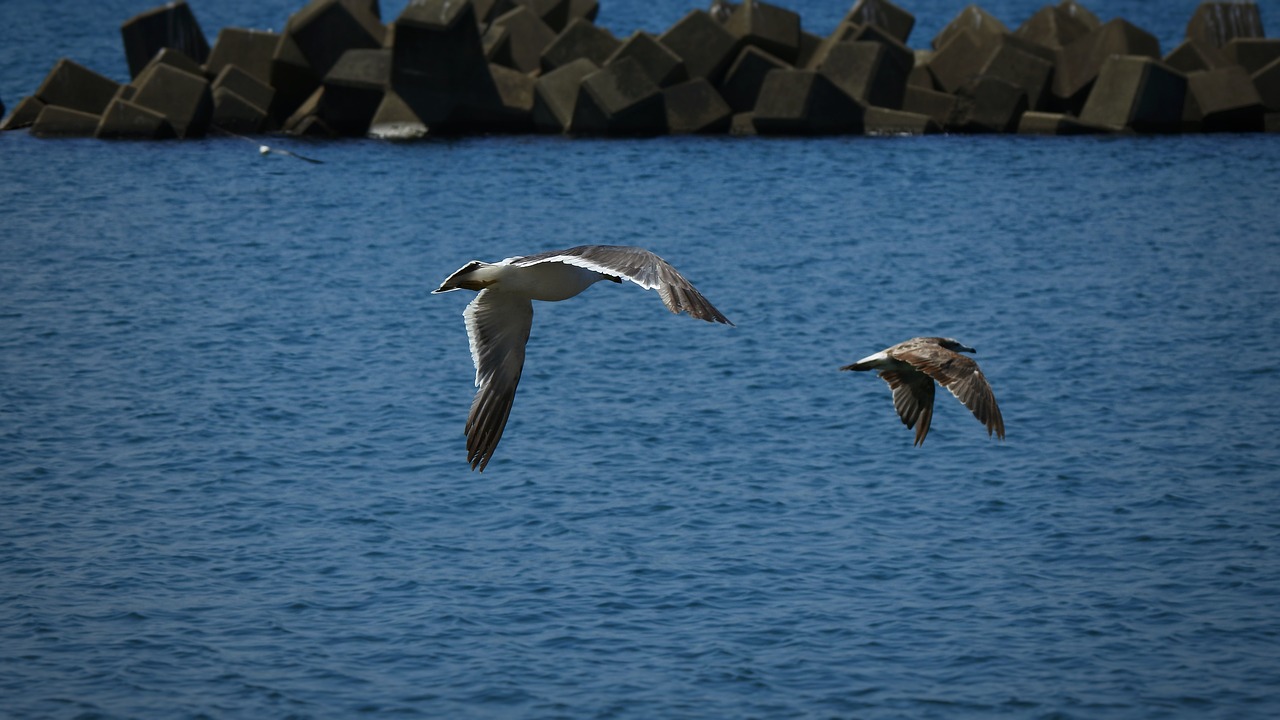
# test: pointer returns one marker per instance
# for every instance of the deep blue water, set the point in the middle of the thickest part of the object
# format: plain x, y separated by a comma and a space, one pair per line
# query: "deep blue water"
234, 481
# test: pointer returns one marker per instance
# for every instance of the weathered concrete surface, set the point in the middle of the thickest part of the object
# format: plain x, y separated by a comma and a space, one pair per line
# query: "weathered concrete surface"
556, 95
1223, 100
1217, 23
235, 113
59, 121
664, 67
180, 97
1193, 56
935, 104
893, 20
395, 120
580, 39
246, 85
353, 90
24, 113
746, 76
988, 105
972, 19
883, 122
1252, 54
694, 106
868, 72
76, 87
704, 45
170, 26
527, 37
805, 102
1044, 123
438, 61
1266, 81
771, 28
619, 99
1080, 62
251, 50
477, 66
125, 120
1137, 93
1054, 27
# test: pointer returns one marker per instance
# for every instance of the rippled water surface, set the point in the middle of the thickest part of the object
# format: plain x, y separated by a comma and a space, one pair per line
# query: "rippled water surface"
234, 481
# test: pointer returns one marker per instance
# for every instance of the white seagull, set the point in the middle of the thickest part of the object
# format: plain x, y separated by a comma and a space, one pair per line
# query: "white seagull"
499, 318
911, 368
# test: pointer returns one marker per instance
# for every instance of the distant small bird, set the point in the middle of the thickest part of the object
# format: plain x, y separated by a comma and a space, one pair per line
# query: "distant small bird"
499, 318
911, 368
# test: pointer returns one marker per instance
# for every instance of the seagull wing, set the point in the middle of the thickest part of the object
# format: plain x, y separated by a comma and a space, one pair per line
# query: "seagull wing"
959, 374
912, 398
640, 267
497, 330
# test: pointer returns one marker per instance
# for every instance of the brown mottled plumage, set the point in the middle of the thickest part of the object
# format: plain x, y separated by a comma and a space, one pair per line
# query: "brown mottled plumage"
913, 366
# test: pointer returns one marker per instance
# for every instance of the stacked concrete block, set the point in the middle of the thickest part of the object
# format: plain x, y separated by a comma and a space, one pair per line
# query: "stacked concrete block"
24, 113
1223, 100
1046, 123
57, 121
556, 95
527, 36
988, 105
961, 59
1137, 93
742, 83
939, 106
664, 67
438, 61
694, 106
170, 26
75, 87
241, 101
183, 98
352, 91
619, 99
126, 120
704, 45
1080, 62
773, 29
893, 20
250, 50
972, 19
1193, 56
313, 40
1266, 81
1054, 27
1252, 54
805, 102
868, 72
1217, 23
447, 67
883, 122
580, 39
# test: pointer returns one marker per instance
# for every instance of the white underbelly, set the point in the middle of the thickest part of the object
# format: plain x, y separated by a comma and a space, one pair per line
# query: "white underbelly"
551, 281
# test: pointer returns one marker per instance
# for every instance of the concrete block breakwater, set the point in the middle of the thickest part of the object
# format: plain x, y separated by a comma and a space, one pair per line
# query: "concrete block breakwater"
458, 67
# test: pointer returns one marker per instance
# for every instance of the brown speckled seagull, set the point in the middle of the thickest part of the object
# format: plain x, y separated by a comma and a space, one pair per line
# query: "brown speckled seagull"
911, 368
499, 318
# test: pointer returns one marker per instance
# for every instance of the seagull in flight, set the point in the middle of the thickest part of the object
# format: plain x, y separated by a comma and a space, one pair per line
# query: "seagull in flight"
499, 318
913, 366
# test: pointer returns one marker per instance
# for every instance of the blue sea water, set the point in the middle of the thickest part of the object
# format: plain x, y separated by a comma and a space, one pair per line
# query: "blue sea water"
233, 480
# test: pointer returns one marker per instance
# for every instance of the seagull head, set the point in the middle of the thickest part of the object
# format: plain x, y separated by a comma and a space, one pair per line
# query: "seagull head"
955, 345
